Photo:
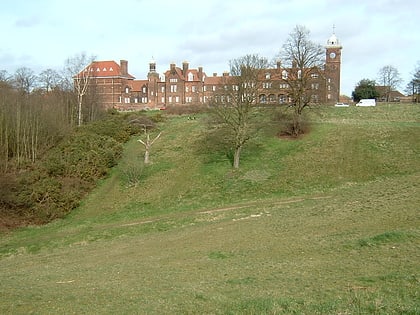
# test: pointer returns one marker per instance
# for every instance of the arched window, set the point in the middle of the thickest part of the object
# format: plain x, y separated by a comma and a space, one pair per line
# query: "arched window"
263, 98
190, 77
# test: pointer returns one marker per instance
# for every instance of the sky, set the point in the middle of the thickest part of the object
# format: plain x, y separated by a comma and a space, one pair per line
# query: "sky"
42, 34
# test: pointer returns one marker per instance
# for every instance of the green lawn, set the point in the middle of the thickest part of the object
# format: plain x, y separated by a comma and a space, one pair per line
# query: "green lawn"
327, 224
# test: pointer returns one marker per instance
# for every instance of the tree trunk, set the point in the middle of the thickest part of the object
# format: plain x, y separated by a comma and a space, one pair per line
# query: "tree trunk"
236, 157
146, 155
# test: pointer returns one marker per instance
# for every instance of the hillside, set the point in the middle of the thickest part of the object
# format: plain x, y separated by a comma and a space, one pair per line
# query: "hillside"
326, 224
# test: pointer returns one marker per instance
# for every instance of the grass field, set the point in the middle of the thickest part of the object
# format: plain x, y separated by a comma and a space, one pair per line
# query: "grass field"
327, 224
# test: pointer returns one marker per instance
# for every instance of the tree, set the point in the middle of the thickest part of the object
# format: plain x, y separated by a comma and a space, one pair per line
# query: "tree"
77, 69
234, 104
390, 78
365, 89
413, 87
300, 57
147, 125
49, 79
24, 79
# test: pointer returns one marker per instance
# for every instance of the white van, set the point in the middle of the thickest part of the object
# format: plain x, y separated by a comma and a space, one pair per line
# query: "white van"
367, 102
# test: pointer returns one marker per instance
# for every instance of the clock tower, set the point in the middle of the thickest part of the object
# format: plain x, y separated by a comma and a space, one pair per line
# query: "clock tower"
333, 68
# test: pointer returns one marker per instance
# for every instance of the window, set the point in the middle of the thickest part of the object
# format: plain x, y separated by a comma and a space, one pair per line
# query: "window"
173, 80
144, 89
205, 88
284, 86
329, 87
170, 99
136, 100
299, 73
144, 99
173, 88
163, 89
190, 77
186, 89
266, 85
177, 99
194, 88
284, 74
314, 75
214, 88
127, 90
127, 100
162, 99
315, 86
267, 76
119, 99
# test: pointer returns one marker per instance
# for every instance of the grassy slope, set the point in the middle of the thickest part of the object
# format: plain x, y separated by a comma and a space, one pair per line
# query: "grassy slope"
325, 224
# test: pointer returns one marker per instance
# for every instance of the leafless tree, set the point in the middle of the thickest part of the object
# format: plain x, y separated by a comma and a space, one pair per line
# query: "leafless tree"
147, 125
4, 76
413, 87
390, 78
299, 58
77, 69
24, 79
235, 104
49, 79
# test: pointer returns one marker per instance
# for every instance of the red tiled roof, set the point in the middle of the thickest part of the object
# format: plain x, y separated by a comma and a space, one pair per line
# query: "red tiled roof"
178, 72
105, 69
137, 85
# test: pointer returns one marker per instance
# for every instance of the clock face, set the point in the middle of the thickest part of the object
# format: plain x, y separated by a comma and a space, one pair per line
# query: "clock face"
332, 55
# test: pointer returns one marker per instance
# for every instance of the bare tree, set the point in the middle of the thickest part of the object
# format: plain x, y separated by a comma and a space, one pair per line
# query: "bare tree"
24, 79
300, 57
77, 69
147, 125
4, 76
413, 87
49, 79
390, 78
234, 105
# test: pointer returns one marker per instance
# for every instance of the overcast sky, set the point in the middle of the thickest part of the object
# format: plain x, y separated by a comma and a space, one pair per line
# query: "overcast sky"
42, 34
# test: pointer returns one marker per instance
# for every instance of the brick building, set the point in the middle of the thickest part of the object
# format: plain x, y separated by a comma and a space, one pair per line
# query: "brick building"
116, 88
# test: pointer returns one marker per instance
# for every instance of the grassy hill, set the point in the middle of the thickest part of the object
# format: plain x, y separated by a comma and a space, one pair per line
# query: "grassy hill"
327, 224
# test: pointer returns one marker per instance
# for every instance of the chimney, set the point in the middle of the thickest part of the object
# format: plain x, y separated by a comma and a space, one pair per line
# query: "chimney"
124, 67
226, 73
200, 73
185, 67
278, 64
172, 66
214, 74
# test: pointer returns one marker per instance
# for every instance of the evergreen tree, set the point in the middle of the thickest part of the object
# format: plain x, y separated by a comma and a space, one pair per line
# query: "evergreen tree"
365, 89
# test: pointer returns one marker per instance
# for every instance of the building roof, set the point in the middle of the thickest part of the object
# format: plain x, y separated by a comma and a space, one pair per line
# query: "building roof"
137, 85
105, 69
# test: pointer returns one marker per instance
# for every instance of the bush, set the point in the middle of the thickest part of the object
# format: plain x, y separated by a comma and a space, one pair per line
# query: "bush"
284, 120
53, 186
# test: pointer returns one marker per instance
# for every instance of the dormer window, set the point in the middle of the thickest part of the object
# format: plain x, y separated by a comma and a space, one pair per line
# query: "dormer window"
127, 90
267, 76
190, 77
284, 75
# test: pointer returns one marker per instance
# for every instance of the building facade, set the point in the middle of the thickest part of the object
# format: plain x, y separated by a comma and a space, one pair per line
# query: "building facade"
178, 86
